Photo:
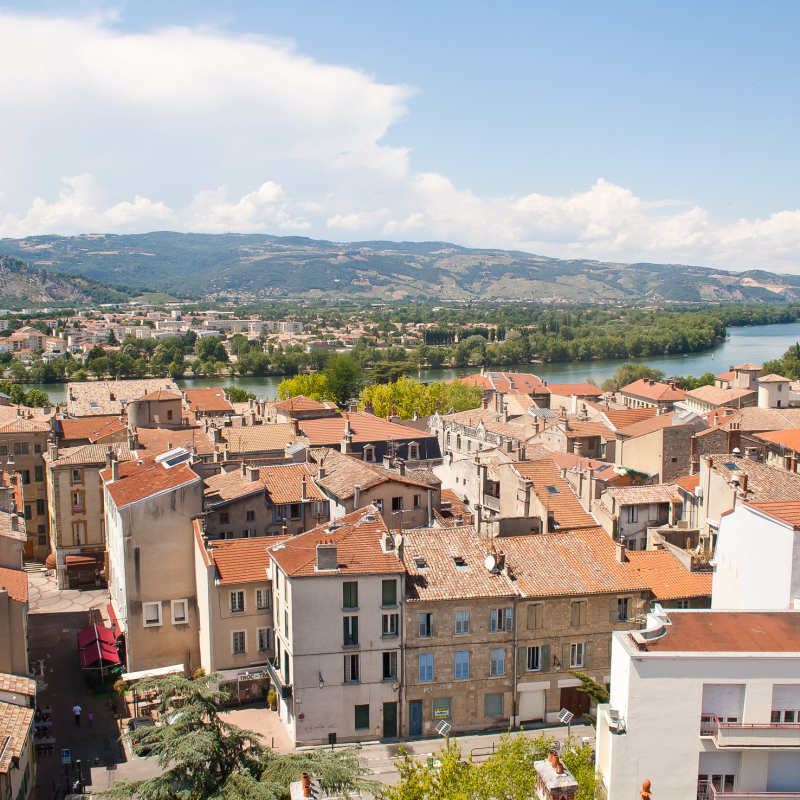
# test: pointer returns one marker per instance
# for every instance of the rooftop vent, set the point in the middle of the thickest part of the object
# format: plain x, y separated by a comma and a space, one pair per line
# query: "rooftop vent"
420, 562
460, 563
326, 557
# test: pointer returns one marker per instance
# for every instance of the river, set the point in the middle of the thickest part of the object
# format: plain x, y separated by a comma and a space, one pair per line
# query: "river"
754, 343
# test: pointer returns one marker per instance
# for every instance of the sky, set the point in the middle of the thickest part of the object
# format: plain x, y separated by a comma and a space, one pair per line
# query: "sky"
659, 131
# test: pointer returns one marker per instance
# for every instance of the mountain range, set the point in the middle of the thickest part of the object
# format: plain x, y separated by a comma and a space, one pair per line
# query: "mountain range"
257, 265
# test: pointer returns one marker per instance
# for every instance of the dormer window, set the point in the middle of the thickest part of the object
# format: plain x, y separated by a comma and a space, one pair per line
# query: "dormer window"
369, 453
460, 563
413, 451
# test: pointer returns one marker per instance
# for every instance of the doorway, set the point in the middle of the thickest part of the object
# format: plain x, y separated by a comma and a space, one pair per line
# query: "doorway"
390, 720
575, 701
415, 718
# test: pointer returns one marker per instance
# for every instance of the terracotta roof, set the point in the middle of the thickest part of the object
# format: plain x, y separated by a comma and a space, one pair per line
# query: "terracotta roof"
637, 495
523, 382
621, 418
89, 428
15, 582
17, 684
518, 404
161, 394
667, 578
657, 392
358, 541
602, 469
259, 438
565, 507
764, 482
786, 511
208, 400
15, 724
365, 428
726, 376
141, 479
747, 366
754, 419
773, 378
284, 483
730, 632
448, 563
153, 441
578, 430
569, 389
716, 396
649, 425
225, 487
300, 403
787, 438
689, 483
243, 560
98, 398
89, 454
343, 473
21, 425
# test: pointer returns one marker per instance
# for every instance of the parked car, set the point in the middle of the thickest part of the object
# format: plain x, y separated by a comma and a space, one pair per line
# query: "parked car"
134, 725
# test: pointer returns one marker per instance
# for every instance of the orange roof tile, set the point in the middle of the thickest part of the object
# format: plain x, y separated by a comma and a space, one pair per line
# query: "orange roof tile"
773, 378
15, 582
366, 428
89, 428
620, 418
786, 511
652, 390
284, 483
15, 724
161, 394
788, 438
358, 540
716, 396
648, 425
748, 367
569, 389
667, 578
139, 480
243, 560
208, 400
638, 495
154, 441
689, 483
17, 684
518, 382
765, 483
300, 403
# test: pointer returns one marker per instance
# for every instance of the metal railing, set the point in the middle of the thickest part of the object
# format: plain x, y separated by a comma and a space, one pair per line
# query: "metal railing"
739, 734
707, 791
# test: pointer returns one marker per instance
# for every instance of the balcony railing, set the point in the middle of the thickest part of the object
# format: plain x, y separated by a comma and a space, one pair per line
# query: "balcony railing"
492, 502
706, 791
739, 735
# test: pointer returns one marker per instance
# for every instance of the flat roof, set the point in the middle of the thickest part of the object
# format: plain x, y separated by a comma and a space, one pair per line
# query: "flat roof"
729, 632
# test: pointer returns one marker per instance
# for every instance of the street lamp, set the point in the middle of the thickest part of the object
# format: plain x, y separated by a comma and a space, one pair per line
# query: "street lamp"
321, 682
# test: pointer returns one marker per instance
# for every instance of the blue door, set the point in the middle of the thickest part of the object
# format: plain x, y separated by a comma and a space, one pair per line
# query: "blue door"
415, 718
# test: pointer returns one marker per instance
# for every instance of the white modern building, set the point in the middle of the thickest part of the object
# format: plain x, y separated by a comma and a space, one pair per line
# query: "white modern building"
757, 557
338, 681
704, 703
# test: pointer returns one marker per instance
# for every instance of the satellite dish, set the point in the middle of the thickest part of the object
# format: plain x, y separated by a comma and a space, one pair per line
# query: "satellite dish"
398, 539
490, 562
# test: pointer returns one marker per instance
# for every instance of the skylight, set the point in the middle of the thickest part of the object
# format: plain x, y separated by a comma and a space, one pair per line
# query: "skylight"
730, 465
420, 562
552, 489
460, 562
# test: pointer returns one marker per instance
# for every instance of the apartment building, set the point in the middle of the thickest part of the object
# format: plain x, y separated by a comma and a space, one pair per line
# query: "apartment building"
106, 398
467, 433
647, 393
17, 763
589, 439
150, 505
659, 446
76, 511
338, 604
234, 600
13, 589
703, 704
207, 402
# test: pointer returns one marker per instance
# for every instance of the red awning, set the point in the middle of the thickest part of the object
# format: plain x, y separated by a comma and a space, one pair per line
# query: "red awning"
95, 633
82, 561
99, 651
112, 615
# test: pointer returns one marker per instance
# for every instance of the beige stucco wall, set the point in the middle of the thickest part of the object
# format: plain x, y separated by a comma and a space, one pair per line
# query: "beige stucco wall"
666, 451
409, 517
13, 635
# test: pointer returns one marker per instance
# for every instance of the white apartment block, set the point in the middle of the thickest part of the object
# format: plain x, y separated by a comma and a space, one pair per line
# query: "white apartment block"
704, 704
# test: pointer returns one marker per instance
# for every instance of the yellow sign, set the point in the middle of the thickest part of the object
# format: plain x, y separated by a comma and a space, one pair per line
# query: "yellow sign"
441, 713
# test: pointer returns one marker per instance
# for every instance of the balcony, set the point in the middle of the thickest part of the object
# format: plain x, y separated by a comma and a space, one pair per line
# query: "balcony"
706, 791
275, 676
737, 735
491, 502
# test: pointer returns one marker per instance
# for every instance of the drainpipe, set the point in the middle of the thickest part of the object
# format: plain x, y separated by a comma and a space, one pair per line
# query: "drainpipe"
515, 656
401, 630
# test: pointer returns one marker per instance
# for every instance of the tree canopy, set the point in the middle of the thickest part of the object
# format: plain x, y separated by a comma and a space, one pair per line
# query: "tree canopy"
407, 396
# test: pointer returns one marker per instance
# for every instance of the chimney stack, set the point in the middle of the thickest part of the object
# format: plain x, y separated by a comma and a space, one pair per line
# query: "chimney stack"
304, 495
252, 473
622, 553
356, 496
115, 470
53, 450
326, 557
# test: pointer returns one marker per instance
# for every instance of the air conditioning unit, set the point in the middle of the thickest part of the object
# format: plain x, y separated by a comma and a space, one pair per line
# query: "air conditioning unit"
616, 724
698, 492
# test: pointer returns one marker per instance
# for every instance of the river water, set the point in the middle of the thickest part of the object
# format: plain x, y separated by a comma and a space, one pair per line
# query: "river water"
754, 344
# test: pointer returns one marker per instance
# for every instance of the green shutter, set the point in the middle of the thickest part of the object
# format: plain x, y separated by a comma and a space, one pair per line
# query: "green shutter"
362, 717
355, 630
588, 654
575, 620
522, 660
565, 656
389, 593
345, 632
545, 658
693, 603
613, 609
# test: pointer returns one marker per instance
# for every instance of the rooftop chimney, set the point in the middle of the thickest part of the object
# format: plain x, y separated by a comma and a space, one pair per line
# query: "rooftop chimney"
252, 474
326, 557
622, 553
321, 471
356, 496
115, 470
303, 488
53, 451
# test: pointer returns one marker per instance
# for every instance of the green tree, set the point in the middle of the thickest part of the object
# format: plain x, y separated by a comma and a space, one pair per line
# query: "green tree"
237, 395
204, 757
313, 385
595, 690
344, 376
239, 344
389, 371
17, 369
36, 398
112, 340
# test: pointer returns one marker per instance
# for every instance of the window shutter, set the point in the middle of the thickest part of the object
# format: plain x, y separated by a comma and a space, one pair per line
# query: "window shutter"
532, 617
493, 621
576, 615
588, 653
565, 656
584, 612
544, 658
612, 610
355, 630
522, 660
508, 619
345, 631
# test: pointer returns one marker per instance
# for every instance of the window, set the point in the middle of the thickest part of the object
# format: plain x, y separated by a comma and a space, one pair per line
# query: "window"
576, 655
462, 623
295, 511
79, 532
237, 602
500, 620
534, 660
238, 643
379, 505
413, 452
251, 515
152, 614
722, 783
351, 668
350, 631
350, 594
397, 504
622, 609
633, 513
369, 453
417, 501
263, 640
40, 507
462, 665
226, 535
441, 708
77, 476
390, 624
77, 501
425, 626
249, 533
169, 413
28, 512
20, 448
224, 517
38, 474
535, 616
390, 665
26, 476
286, 623
180, 614
426, 668
493, 705
286, 675
362, 718
389, 593
497, 662
262, 599
580, 611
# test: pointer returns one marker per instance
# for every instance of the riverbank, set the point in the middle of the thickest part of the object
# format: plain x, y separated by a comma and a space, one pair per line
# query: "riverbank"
753, 343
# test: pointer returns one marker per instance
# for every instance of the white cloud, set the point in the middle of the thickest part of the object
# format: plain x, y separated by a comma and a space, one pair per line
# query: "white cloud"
147, 124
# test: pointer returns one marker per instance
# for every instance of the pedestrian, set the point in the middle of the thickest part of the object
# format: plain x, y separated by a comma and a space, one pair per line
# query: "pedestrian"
76, 710
89, 717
